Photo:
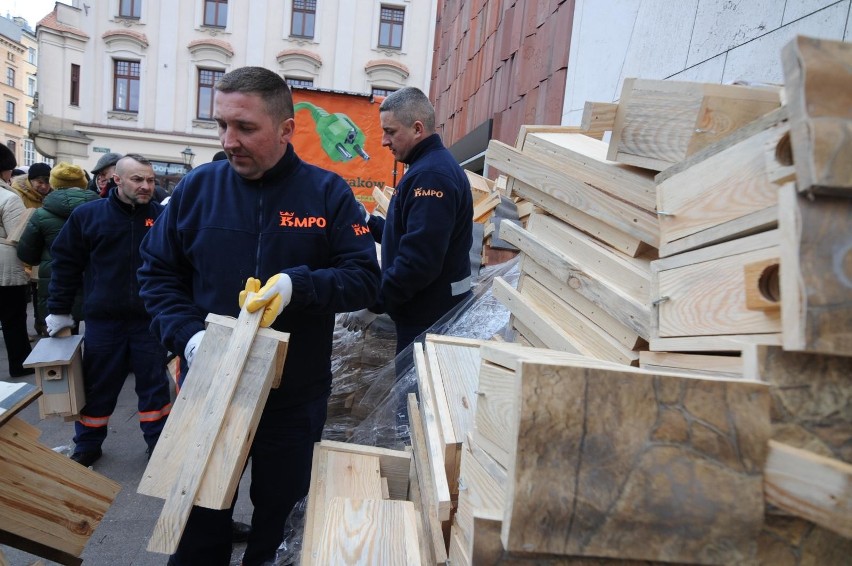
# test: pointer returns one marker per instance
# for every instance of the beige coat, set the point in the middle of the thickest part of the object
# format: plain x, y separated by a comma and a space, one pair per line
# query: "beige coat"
11, 212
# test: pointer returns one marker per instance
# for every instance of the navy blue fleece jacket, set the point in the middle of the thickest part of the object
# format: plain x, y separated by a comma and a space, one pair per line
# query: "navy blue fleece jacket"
219, 229
426, 238
98, 250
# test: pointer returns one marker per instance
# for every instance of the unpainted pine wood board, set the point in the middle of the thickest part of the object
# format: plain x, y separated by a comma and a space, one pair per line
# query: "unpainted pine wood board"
264, 364
655, 120
479, 183
710, 435
622, 216
702, 364
590, 339
45, 497
459, 548
455, 340
485, 207
481, 492
816, 272
382, 201
709, 299
631, 275
394, 464
733, 343
811, 398
459, 371
764, 220
721, 116
525, 336
426, 550
584, 158
425, 482
494, 411
729, 185
450, 438
818, 83
616, 239
184, 489
617, 303
598, 117
369, 531
316, 498
810, 486
507, 355
625, 335
434, 461
527, 129
534, 317
14, 397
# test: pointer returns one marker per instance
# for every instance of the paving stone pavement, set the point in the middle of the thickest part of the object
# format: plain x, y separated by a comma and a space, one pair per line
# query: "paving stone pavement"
122, 537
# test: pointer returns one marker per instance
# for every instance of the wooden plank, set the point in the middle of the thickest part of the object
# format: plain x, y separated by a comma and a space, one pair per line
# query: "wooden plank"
598, 117
730, 185
630, 275
450, 441
816, 277
656, 120
526, 129
481, 491
591, 448
589, 338
730, 367
617, 303
818, 84
763, 220
584, 158
494, 422
394, 464
382, 201
810, 486
369, 532
425, 483
219, 482
621, 215
50, 505
460, 376
478, 183
14, 397
184, 489
427, 552
607, 234
316, 498
626, 336
705, 292
432, 439
523, 335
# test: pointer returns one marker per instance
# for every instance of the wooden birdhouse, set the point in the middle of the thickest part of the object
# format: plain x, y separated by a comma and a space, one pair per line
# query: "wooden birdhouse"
58, 364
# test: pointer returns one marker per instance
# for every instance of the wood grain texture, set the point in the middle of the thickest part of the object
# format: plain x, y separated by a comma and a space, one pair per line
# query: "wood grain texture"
818, 83
495, 407
627, 464
622, 216
698, 364
459, 372
184, 489
394, 464
368, 531
598, 117
816, 272
50, 505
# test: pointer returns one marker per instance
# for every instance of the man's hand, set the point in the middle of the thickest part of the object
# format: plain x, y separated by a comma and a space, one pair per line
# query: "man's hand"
192, 347
272, 297
56, 322
365, 213
358, 320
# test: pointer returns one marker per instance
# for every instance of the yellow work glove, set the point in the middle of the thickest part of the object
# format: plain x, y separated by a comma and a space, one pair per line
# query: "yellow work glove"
272, 297
252, 286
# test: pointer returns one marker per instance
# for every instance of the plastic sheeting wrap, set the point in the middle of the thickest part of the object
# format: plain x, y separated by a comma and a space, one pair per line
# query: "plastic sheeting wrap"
369, 386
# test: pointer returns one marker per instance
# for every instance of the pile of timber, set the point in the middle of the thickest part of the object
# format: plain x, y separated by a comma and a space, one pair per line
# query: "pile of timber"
708, 243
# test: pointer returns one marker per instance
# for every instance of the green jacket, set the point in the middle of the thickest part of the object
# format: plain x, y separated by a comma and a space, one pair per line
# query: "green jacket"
38, 236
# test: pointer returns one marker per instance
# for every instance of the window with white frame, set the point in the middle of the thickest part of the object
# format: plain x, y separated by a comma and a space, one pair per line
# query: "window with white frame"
29, 152
31, 86
391, 20
31, 55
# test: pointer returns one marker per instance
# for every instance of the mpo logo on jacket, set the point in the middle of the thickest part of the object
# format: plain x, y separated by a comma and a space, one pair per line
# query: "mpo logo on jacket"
428, 193
290, 220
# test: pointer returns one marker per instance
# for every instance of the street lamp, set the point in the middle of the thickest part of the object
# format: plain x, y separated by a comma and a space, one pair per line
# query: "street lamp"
188, 156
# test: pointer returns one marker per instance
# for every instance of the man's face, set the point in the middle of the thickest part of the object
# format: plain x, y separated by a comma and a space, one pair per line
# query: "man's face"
398, 138
104, 176
252, 138
41, 185
135, 182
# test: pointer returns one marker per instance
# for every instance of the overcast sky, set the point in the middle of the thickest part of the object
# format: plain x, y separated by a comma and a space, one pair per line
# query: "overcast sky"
31, 10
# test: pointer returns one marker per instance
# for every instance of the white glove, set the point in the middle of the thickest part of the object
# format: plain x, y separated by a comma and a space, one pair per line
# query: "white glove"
358, 320
192, 347
366, 214
272, 297
56, 322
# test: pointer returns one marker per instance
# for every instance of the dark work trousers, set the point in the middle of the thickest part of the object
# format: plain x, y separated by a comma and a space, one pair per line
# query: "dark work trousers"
281, 458
111, 350
13, 318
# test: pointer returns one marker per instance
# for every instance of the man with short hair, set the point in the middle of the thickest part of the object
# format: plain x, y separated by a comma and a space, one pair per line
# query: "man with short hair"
428, 232
262, 213
98, 250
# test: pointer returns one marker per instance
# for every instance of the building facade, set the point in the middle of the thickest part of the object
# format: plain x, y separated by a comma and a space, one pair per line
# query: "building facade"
138, 75
18, 52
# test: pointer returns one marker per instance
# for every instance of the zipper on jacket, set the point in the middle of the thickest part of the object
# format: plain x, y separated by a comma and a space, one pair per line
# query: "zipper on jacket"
259, 232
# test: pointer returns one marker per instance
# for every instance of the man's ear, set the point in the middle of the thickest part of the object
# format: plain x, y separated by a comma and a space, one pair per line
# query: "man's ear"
288, 128
418, 127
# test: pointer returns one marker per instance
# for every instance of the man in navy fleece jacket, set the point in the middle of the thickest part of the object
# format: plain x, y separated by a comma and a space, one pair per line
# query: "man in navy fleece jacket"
428, 232
264, 213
